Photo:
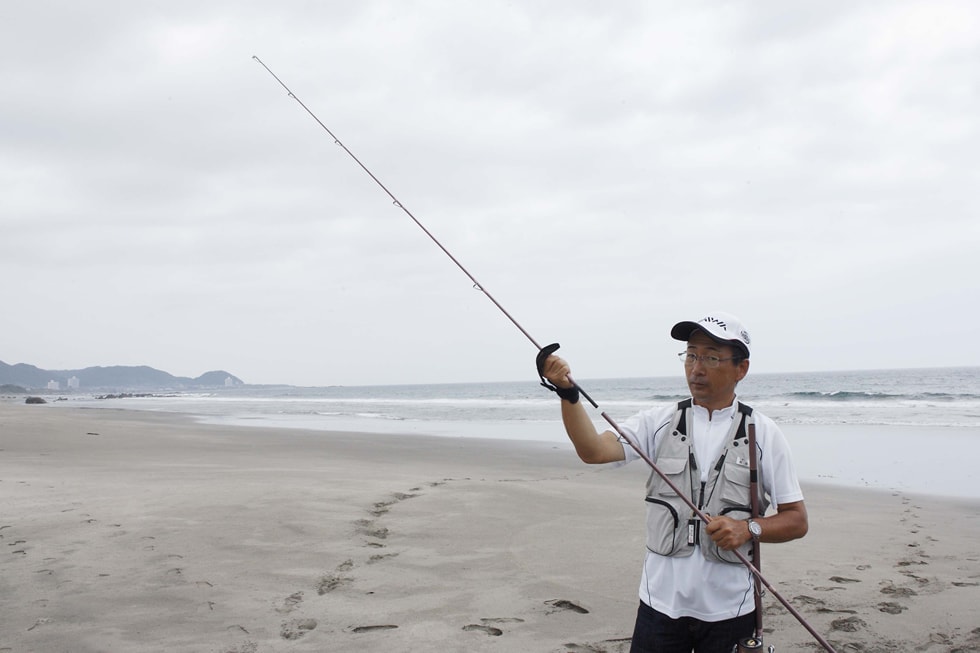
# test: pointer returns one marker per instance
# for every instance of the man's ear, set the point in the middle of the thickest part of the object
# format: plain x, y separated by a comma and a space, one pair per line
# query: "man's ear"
743, 368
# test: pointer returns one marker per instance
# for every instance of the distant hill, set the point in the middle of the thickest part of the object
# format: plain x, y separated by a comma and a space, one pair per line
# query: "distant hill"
118, 378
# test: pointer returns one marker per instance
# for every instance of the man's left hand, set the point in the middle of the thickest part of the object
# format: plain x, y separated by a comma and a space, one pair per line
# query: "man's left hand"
727, 533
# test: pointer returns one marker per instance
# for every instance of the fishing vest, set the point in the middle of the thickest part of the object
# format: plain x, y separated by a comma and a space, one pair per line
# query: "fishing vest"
672, 527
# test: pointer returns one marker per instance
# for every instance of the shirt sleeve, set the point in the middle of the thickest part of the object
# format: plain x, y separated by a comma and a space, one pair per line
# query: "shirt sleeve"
779, 472
643, 429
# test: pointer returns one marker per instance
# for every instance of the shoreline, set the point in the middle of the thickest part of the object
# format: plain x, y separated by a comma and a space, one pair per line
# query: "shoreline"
878, 455
139, 531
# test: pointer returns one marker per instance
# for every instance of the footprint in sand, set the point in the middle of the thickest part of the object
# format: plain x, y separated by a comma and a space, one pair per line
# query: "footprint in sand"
487, 626
371, 629
379, 557
401, 496
368, 527
297, 628
848, 624
940, 638
974, 637
290, 603
562, 604
502, 620
43, 621
773, 609
331, 582
382, 507
245, 647
891, 608
483, 628
919, 579
898, 591
605, 646
808, 600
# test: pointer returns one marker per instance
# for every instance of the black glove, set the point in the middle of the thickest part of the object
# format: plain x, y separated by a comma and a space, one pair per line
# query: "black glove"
568, 394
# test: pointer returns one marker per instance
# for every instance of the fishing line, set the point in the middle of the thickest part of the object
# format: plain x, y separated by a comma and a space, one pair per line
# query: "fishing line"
478, 286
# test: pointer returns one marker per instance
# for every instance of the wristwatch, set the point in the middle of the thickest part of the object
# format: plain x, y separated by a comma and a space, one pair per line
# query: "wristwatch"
755, 529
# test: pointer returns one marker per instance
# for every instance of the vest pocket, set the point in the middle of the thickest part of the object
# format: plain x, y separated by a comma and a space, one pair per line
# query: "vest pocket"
665, 533
663, 524
734, 494
735, 481
673, 468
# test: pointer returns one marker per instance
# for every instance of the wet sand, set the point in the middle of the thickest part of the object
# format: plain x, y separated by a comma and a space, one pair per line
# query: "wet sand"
137, 531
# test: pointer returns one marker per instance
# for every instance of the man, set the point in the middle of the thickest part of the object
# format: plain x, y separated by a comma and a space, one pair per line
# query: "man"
694, 594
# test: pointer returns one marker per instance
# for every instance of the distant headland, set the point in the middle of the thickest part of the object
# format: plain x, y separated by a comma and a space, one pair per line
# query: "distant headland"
28, 378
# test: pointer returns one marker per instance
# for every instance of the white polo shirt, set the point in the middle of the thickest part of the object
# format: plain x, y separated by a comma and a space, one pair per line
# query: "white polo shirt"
692, 586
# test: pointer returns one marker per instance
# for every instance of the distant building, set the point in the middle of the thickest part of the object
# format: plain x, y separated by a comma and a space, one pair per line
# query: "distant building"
54, 385
229, 382
74, 383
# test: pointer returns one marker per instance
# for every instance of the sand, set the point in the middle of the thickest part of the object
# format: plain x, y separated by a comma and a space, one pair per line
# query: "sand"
138, 531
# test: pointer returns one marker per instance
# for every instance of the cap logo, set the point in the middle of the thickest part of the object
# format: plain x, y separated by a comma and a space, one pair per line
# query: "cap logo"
714, 320
743, 335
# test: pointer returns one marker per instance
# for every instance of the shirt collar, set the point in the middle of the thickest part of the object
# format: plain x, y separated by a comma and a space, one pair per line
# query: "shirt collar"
721, 413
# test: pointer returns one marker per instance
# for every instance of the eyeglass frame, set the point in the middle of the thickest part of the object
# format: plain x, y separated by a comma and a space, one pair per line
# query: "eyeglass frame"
711, 362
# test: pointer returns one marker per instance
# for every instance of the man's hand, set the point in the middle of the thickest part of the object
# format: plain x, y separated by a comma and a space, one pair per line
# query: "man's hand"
789, 523
728, 533
556, 370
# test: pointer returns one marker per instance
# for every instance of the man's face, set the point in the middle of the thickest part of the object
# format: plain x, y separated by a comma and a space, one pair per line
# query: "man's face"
713, 388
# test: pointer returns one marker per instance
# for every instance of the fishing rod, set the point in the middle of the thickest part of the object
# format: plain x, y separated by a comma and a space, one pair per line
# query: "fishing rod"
754, 643
542, 353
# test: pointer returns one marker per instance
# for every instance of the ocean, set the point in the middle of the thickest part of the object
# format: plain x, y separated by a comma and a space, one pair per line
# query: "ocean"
915, 430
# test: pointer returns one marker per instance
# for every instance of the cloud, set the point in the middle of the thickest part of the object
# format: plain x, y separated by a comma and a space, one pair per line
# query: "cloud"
603, 172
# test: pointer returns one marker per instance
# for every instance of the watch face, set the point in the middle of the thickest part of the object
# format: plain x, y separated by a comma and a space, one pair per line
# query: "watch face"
755, 529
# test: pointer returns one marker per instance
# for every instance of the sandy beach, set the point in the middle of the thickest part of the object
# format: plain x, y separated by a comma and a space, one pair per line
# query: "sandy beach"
137, 531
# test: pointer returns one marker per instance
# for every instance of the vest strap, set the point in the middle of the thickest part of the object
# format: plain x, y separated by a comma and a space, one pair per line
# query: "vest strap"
746, 413
682, 407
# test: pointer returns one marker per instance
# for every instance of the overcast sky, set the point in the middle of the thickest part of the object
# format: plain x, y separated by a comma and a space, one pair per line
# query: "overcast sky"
603, 169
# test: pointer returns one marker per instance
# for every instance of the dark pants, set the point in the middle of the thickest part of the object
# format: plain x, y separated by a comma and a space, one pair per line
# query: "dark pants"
655, 632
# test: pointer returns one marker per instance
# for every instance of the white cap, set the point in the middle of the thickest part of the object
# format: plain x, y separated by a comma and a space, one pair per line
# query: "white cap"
724, 328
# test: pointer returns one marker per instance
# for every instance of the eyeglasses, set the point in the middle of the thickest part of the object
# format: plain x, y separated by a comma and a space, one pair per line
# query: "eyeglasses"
709, 361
